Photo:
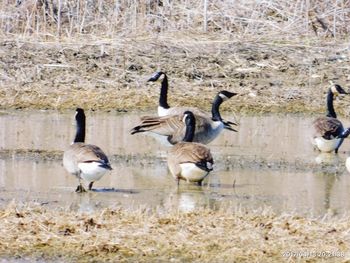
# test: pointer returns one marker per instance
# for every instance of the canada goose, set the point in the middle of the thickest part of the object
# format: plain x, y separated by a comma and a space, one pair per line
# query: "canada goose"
329, 128
165, 110
207, 127
85, 161
189, 160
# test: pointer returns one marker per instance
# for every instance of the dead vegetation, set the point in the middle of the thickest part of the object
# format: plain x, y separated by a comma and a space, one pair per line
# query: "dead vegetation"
106, 18
99, 54
34, 232
280, 55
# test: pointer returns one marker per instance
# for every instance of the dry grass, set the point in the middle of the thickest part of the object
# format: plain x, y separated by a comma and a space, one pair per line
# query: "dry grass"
203, 236
280, 55
270, 78
106, 18
99, 54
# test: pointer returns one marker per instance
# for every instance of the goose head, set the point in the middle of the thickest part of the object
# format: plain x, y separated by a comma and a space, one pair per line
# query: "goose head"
218, 100
188, 118
79, 115
158, 76
225, 95
337, 90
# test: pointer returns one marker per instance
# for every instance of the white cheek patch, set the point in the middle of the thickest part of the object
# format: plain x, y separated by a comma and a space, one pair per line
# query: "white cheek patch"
223, 97
209, 166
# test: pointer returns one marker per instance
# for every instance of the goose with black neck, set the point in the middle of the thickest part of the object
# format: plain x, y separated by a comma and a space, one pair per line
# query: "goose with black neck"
86, 161
328, 129
207, 127
188, 160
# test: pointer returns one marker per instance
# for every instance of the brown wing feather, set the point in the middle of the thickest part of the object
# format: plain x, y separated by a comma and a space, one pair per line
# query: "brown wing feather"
88, 153
166, 125
328, 127
172, 126
191, 152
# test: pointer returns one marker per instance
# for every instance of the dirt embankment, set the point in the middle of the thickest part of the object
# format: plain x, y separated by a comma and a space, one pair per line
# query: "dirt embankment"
112, 75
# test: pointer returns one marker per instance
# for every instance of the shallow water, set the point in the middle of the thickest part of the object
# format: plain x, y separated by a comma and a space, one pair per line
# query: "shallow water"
255, 167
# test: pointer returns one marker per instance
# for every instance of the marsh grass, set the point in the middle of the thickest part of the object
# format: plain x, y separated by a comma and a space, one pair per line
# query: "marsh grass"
109, 19
34, 232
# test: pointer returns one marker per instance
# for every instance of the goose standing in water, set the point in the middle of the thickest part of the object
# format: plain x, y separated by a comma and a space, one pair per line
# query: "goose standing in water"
329, 129
187, 160
85, 161
207, 127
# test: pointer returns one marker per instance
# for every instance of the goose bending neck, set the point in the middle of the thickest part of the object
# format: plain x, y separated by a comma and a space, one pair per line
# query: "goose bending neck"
190, 127
163, 99
216, 116
330, 107
80, 133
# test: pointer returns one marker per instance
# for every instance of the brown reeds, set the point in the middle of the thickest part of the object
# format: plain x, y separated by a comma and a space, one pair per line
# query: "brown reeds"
106, 18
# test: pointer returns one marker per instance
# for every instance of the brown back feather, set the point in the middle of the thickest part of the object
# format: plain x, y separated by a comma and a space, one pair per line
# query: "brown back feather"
328, 127
185, 152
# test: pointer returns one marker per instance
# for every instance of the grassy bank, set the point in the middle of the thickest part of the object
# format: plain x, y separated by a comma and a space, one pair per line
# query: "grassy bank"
120, 235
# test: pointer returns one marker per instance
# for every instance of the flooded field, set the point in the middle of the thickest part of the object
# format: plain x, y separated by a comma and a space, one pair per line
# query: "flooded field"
270, 162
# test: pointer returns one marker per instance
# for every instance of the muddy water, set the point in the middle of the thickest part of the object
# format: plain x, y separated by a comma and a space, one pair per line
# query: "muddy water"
270, 162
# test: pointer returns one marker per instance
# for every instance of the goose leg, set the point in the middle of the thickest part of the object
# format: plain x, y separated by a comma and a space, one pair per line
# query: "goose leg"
340, 143
80, 189
90, 185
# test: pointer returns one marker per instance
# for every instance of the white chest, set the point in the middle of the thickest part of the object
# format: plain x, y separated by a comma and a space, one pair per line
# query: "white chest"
209, 133
91, 171
163, 112
191, 173
326, 145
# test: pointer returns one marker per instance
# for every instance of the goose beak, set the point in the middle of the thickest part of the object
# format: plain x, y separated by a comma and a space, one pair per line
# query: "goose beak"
227, 94
338, 89
230, 94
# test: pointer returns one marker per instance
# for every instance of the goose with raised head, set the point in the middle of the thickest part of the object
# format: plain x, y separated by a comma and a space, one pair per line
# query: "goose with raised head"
86, 161
163, 107
207, 127
328, 128
188, 160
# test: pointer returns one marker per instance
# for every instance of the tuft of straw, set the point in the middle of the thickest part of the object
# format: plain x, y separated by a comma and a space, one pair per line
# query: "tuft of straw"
38, 233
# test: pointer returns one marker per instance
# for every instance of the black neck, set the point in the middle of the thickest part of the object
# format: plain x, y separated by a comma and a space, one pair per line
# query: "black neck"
215, 108
80, 134
163, 99
190, 128
330, 108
